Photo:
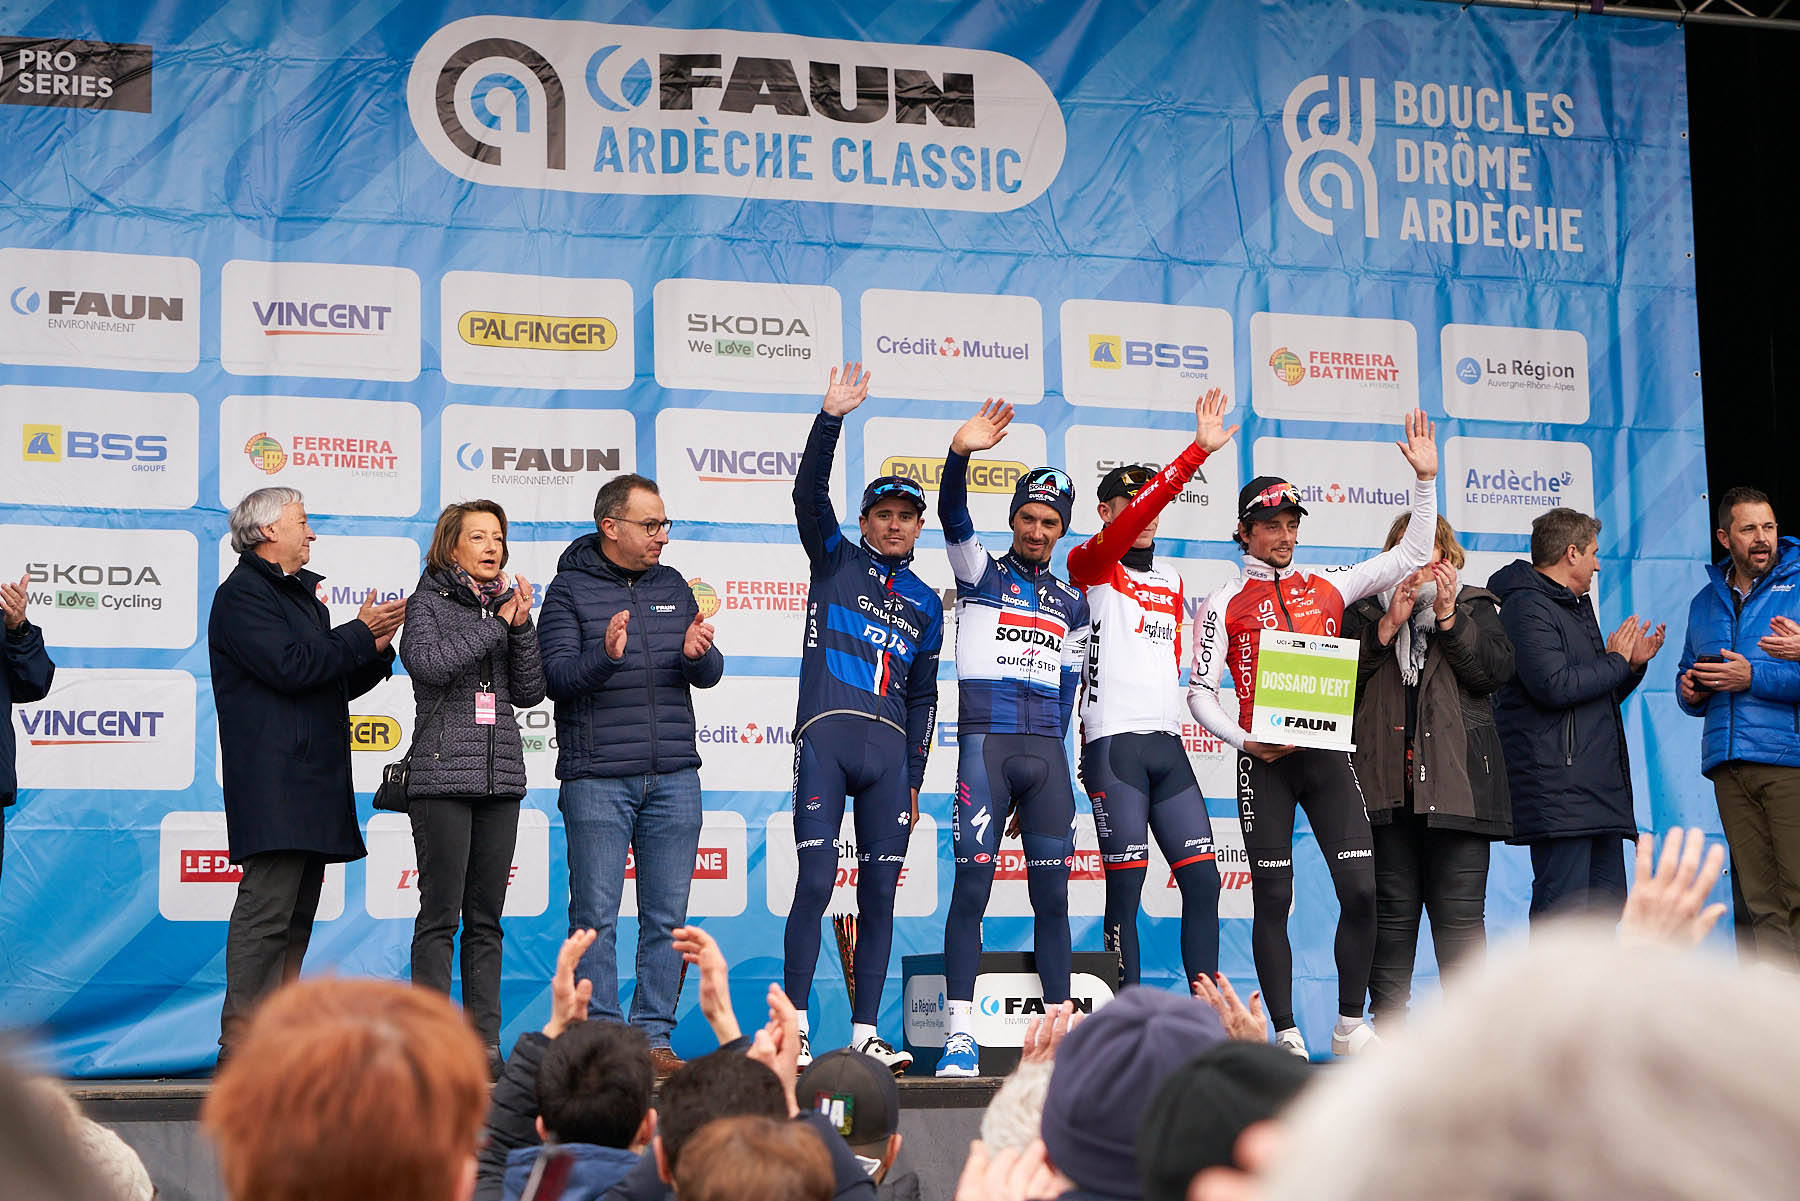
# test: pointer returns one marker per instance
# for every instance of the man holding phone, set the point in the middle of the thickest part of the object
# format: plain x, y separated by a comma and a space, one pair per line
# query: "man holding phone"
1738, 671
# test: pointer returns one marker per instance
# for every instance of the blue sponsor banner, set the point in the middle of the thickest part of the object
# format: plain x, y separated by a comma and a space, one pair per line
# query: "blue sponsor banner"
400, 253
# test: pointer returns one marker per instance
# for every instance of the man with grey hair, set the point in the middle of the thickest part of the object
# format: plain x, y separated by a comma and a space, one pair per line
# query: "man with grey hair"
1560, 728
622, 643
283, 679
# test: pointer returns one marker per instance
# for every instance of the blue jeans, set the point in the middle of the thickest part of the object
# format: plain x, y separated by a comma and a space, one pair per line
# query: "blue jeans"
657, 815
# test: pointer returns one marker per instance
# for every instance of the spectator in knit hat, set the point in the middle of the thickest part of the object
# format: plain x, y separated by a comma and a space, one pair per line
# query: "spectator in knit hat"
1200, 1112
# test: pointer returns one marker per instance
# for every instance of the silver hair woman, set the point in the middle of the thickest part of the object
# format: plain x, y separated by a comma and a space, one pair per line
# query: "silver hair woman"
259, 509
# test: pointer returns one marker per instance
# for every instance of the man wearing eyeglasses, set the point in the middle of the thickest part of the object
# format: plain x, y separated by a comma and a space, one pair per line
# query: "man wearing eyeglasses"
622, 642
1021, 637
868, 700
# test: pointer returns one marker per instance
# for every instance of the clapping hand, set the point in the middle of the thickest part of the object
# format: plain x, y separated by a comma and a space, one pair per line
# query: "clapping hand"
1209, 420
1443, 605
1043, 1035
13, 598
843, 395
615, 634
1420, 445
777, 1045
1666, 903
382, 620
1245, 1023
1781, 642
517, 609
698, 947
699, 637
569, 998
1399, 610
984, 430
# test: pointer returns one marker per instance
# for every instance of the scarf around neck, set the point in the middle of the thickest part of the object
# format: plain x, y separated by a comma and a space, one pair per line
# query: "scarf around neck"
486, 593
1412, 641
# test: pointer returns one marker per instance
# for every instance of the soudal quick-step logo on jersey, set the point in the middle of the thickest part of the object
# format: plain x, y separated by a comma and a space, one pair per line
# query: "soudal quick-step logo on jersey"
582, 106
330, 320
121, 312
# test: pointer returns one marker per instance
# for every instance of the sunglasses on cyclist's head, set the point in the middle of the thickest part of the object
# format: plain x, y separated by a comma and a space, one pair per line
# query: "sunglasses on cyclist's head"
1042, 479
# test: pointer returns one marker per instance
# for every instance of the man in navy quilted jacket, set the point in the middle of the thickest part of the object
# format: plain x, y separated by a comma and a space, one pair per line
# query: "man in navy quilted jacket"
1738, 672
622, 643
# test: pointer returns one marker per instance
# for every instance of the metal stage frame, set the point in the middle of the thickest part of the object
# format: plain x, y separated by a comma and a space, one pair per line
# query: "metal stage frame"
1753, 14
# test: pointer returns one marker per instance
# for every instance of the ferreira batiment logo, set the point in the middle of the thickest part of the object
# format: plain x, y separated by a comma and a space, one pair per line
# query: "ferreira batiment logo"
581, 106
1323, 161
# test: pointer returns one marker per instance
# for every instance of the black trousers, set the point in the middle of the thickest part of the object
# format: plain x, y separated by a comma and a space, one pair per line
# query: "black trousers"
465, 852
1422, 870
1578, 875
271, 923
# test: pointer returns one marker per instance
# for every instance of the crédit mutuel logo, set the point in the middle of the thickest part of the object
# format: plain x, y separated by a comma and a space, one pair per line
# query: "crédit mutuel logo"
581, 106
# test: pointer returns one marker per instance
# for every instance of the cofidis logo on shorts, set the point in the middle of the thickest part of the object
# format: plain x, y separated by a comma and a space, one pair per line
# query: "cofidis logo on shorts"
581, 106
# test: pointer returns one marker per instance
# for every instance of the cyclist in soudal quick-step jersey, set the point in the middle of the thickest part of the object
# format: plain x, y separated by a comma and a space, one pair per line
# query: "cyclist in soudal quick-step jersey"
1274, 594
868, 698
1021, 636
1133, 765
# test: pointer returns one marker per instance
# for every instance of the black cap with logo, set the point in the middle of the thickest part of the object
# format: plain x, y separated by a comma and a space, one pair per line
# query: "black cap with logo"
1125, 481
1267, 495
856, 1094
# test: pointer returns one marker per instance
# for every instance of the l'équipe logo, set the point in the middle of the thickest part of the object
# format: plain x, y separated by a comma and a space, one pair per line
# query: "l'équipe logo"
1498, 485
1478, 142
582, 106
537, 331
733, 336
391, 876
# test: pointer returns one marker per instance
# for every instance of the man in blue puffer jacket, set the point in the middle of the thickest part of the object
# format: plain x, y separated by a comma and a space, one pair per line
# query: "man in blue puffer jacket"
1737, 671
622, 642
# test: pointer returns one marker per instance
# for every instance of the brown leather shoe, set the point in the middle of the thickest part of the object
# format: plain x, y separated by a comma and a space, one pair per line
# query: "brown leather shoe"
664, 1062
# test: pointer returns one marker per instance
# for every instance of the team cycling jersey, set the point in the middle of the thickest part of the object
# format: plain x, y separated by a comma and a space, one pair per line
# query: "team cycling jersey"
1131, 682
1231, 621
873, 628
1021, 633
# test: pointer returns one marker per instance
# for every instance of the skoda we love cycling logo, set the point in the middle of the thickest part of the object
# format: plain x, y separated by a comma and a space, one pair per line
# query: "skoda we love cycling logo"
580, 106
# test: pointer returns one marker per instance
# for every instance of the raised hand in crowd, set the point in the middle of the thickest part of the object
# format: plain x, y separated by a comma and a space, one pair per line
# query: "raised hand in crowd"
699, 638
615, 634
1420, 445
1783, 639
517, 609
842, 395
777, 1045
13, 598
1245, 1023
568, 996
1209, 420
1043, 1035
1731, 675
984, 430
701, 950
1667, 903
1399, 610
1010, 1174
382, 619
1443, 605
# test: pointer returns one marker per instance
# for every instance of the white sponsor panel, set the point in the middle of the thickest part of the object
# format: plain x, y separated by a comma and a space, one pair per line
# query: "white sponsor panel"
196, 880
1005, 1004
322, 320
536, 331
744, 733
1508, 373
539, 464
391, 878
381, 728
111, 728
716, 465
940, 764
347, 456
1162, 897
953, 346
1333, 368
1011, 896
91, 448
754, 594
1205, 510
915, 897
581, 106
1498, 485
537, 734
721, 883
99, 587
1213, 759
913, 448
922, 1004
1135, 355
352, 565
731, 336
1352, 491
118, 312
536, 561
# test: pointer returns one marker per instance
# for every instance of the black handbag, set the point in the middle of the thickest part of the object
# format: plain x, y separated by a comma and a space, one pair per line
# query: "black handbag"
390, 794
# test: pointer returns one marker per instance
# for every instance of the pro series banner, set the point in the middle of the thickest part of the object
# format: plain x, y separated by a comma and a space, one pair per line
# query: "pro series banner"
406, 252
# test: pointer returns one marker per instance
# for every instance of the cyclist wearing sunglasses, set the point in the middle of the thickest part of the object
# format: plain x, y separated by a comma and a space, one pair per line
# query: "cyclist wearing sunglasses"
1273, 593
868, 699
1021, 636
1133, 766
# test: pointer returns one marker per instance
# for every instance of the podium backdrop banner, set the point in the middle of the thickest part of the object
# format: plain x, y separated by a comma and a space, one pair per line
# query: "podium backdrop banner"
403, 252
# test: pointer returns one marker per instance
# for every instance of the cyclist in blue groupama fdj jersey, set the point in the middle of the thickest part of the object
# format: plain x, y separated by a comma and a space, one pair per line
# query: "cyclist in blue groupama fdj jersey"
1021, 639
868, 698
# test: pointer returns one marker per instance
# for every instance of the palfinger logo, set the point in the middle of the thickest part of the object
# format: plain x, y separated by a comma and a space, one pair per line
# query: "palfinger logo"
531, 331
589, 107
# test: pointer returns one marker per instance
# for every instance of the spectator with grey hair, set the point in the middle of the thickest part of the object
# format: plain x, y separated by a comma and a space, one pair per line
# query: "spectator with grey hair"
283, 678
623, 643
1560, 729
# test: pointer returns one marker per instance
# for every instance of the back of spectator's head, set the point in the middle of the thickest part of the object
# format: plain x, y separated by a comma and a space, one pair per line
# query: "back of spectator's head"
40, 1156
1014, 1117
342, 1090
860, 1099
1195, 1119
1106, 1071
723, 1084
754, 1159
1569, 1069
594, 1085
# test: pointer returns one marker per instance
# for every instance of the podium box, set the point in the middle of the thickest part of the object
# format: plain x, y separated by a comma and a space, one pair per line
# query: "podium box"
1007, 997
